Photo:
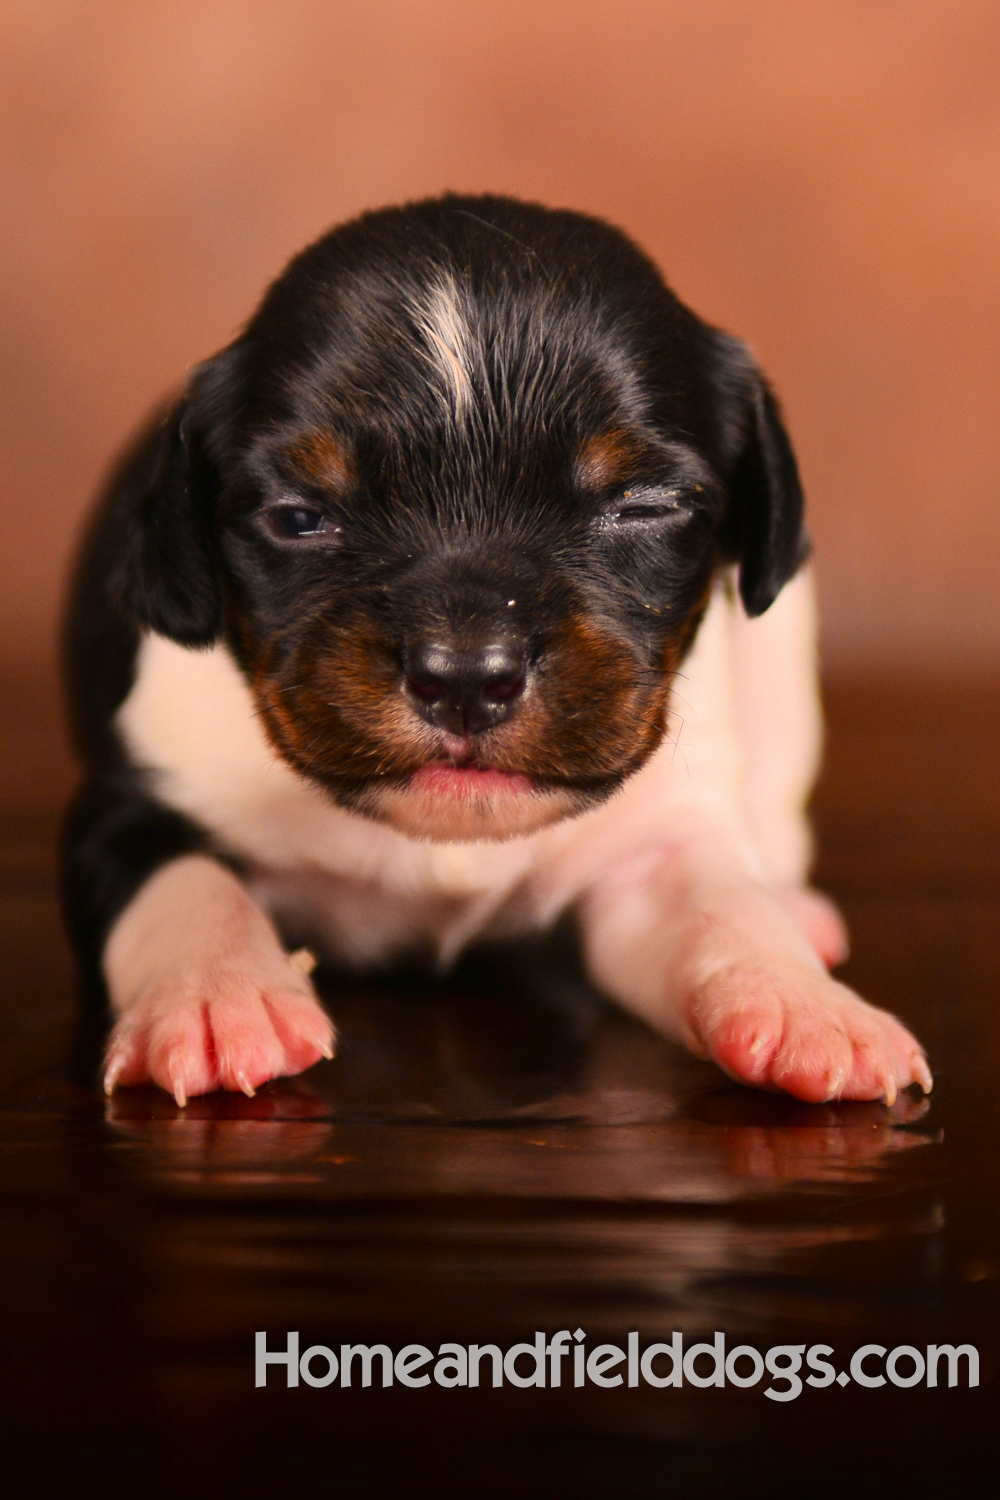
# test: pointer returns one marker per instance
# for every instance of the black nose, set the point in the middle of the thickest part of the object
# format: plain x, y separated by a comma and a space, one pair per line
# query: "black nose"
465, 692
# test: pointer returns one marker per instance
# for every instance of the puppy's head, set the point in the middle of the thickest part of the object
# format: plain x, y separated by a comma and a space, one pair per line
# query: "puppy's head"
455, 499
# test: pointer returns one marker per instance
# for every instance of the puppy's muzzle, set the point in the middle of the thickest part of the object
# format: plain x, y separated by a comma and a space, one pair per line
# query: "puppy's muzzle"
465, 692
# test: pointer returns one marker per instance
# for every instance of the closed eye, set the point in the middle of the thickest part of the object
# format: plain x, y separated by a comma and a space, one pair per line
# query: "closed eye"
656, 508
294, 523
644, 512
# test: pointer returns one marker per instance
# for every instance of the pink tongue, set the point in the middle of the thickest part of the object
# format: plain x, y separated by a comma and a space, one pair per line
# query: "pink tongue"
454, 781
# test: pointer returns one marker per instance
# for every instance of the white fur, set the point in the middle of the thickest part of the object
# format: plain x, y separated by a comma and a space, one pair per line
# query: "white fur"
447, 343
741, 745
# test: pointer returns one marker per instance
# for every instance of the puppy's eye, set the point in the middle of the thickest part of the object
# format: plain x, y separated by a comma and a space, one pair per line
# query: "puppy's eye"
643, 512
294, 522
655, 508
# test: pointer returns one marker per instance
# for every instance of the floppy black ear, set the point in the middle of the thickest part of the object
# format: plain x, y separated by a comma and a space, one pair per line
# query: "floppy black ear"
766, 527
168, 577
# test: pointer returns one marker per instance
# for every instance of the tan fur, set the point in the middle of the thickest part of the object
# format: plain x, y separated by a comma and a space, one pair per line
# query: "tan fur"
607, 459
321, 458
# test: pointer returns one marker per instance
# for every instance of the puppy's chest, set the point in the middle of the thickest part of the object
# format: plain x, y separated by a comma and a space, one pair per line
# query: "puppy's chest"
363, 890
359, 888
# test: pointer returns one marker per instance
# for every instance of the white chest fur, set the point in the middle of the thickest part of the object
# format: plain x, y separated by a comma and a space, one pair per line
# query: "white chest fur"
365, 890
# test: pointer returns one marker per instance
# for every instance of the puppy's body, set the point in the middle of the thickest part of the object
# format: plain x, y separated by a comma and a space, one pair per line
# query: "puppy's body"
375, 646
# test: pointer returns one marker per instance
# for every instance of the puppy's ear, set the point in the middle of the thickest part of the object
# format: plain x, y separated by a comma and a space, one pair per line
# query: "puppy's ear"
167, 575
766, 530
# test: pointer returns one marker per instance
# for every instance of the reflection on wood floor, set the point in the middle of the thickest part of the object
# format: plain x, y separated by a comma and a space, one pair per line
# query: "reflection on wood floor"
502, 1153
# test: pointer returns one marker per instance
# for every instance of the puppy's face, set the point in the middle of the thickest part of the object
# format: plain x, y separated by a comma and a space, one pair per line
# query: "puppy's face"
464, 484
469, 633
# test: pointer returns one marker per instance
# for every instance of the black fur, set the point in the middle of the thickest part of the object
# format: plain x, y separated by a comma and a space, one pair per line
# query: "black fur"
445, 499
115, 836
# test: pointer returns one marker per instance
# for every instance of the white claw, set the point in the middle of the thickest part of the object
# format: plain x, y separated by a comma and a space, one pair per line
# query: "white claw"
835, 1082
327, 1050
890, 1092
113, 1073
179, 1091
246, 1085
922, 1073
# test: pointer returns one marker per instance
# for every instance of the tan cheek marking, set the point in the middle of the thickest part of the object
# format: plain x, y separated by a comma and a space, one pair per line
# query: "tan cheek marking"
595, 715
336, 709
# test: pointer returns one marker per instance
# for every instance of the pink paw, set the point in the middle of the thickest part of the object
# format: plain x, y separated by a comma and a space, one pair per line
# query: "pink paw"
225, 1030
793, 1029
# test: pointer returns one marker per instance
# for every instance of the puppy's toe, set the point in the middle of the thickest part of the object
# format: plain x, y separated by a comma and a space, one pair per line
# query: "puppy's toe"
886, 1057
162, 1038
125, 1055
247, 1049
303, 1028
266, 1032
180, 1054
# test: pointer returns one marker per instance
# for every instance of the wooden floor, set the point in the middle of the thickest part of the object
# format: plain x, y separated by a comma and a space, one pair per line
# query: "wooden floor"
505, 1154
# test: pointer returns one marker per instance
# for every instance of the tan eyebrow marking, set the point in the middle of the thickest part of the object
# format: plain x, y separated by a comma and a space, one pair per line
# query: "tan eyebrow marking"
322, 458
607, 459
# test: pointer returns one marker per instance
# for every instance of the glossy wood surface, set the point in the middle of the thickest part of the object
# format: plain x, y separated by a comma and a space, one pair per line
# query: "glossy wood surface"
504, 1153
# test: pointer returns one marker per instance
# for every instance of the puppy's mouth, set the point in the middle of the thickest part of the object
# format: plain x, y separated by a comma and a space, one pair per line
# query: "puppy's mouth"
449, 800
450, 780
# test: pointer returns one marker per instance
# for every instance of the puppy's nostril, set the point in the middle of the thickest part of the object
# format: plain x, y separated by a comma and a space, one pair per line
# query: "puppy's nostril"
428, 691
503, 690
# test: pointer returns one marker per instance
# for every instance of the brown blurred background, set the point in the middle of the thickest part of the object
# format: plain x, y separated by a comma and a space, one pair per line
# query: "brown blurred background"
820, 176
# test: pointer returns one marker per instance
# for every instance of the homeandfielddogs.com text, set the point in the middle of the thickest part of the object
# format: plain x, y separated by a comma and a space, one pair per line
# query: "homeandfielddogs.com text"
564, 1359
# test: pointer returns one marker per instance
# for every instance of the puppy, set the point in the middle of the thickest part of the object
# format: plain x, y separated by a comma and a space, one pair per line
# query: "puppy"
466, 588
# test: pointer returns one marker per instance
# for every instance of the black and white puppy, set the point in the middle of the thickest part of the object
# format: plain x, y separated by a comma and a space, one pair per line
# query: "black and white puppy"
375, 644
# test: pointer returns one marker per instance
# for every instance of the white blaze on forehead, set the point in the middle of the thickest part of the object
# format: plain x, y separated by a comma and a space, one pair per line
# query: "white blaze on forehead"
447, 340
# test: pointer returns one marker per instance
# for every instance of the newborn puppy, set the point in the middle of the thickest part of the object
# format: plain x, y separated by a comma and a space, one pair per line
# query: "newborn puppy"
465, 588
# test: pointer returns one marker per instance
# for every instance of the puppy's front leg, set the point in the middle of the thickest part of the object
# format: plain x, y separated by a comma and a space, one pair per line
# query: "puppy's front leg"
204, 994
690, 939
